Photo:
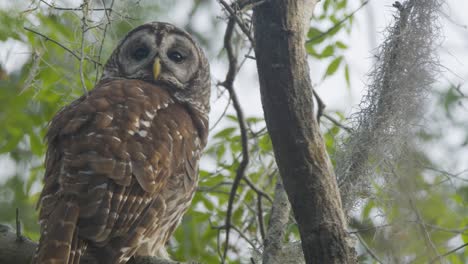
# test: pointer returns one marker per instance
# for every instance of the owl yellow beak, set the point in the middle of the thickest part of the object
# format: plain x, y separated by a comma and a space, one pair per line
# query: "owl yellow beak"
156, 68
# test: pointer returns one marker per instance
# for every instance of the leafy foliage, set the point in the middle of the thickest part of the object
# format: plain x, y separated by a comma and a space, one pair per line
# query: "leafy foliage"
324, 44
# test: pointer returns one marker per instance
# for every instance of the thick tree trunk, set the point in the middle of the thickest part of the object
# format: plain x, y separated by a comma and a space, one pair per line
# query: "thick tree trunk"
300, 153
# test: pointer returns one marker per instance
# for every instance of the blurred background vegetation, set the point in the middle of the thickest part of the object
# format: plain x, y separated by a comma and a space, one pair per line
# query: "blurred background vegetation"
44, 40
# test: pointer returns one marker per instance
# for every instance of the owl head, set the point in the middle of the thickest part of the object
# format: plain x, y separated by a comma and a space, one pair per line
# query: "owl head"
167, 56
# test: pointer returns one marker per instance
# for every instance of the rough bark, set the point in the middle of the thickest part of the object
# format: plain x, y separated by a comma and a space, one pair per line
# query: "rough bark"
280, 212
300, 153
20, 251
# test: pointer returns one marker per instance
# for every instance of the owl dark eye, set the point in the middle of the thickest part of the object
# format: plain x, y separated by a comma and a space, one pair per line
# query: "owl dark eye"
140, 53
175, 56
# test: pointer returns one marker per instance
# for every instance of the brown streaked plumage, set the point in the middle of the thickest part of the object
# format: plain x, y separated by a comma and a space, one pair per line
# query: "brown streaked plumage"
122, 161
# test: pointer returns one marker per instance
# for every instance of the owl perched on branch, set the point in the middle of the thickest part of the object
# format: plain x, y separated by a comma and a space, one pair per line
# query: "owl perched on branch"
122, 161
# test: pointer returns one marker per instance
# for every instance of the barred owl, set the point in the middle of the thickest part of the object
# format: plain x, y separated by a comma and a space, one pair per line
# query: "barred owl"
122, 161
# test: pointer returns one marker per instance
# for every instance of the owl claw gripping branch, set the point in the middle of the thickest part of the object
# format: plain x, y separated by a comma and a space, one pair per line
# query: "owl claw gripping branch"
122, 162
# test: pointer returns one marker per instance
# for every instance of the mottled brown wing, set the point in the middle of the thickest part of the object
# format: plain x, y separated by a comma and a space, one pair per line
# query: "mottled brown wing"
111, 153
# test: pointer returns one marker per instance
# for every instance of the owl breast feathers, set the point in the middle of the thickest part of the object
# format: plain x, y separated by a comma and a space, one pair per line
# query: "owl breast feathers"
122, 161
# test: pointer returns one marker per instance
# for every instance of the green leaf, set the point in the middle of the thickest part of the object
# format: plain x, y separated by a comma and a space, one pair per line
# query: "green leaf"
347, 78
328, 51
315, 36
221, 151
232, 118
254, 119
451, 98
265, 143
334, 29
311, 50
341, 4
333, 67
367, 209
341, 45
10, 25
225, 133
35, 141
326, 4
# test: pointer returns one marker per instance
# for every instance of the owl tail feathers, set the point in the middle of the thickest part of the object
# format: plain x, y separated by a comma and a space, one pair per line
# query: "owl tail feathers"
59, 243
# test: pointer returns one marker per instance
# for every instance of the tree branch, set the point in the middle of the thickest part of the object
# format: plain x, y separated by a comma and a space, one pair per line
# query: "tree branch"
229, 85
20, 251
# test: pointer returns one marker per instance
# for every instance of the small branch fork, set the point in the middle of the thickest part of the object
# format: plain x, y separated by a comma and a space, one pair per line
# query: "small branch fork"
233, 15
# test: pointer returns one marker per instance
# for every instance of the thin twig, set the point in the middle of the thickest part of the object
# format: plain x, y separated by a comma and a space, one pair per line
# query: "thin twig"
19, 235
33, 71
320, 105
244, 59
457, 88
247, 4
449, 230
362, 230
368, 249
260, 216
218, 239
453, 175
53, 41
337, 123
84, 28
434, 227
256, 189
228, 84
448, 253
424, 230
60, 45
427, 237
260, 132
73, 9
221, 116
104, 34
241, 234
